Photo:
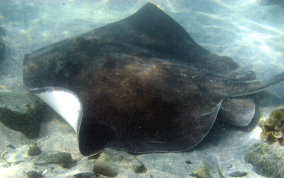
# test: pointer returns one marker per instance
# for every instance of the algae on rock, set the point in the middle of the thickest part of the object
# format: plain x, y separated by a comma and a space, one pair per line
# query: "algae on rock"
267, 160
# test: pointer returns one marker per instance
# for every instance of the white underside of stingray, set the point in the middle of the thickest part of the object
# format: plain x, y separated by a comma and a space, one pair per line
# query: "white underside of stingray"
64, 102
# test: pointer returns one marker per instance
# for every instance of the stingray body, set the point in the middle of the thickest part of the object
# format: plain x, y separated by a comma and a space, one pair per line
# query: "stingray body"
140, 84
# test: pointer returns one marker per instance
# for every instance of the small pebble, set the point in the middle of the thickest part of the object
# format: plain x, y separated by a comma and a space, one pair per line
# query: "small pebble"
11, 146
237, 174
106, 170
85, 175
34, 174
139, 169
34, 150
188, 162
62, 158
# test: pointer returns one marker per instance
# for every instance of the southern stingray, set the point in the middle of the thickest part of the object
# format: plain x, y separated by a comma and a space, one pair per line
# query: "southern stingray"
141, 84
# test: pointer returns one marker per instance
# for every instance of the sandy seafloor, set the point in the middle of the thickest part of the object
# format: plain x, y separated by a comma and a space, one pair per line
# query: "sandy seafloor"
246, 30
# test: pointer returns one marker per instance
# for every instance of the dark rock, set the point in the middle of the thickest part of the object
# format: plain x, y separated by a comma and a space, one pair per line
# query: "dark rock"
188, 162
11, 146
34, 174
139, 168
21, 111
110, 162
237, 174
266, 159
85, 175
34, 150
62, 158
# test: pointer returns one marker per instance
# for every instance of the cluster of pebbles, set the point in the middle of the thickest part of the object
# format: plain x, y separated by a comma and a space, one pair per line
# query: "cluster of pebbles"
38, 163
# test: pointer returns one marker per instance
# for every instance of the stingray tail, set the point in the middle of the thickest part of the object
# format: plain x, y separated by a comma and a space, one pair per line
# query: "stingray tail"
249, 87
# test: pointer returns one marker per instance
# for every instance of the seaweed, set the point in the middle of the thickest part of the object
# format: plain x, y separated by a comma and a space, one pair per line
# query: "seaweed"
273, 128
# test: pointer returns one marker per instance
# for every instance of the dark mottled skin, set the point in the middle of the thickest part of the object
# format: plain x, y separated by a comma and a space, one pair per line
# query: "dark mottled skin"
145, 85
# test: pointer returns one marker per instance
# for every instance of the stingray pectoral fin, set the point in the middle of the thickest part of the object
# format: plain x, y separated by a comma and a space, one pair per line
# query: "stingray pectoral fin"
237, 111
94, 136
64, 102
